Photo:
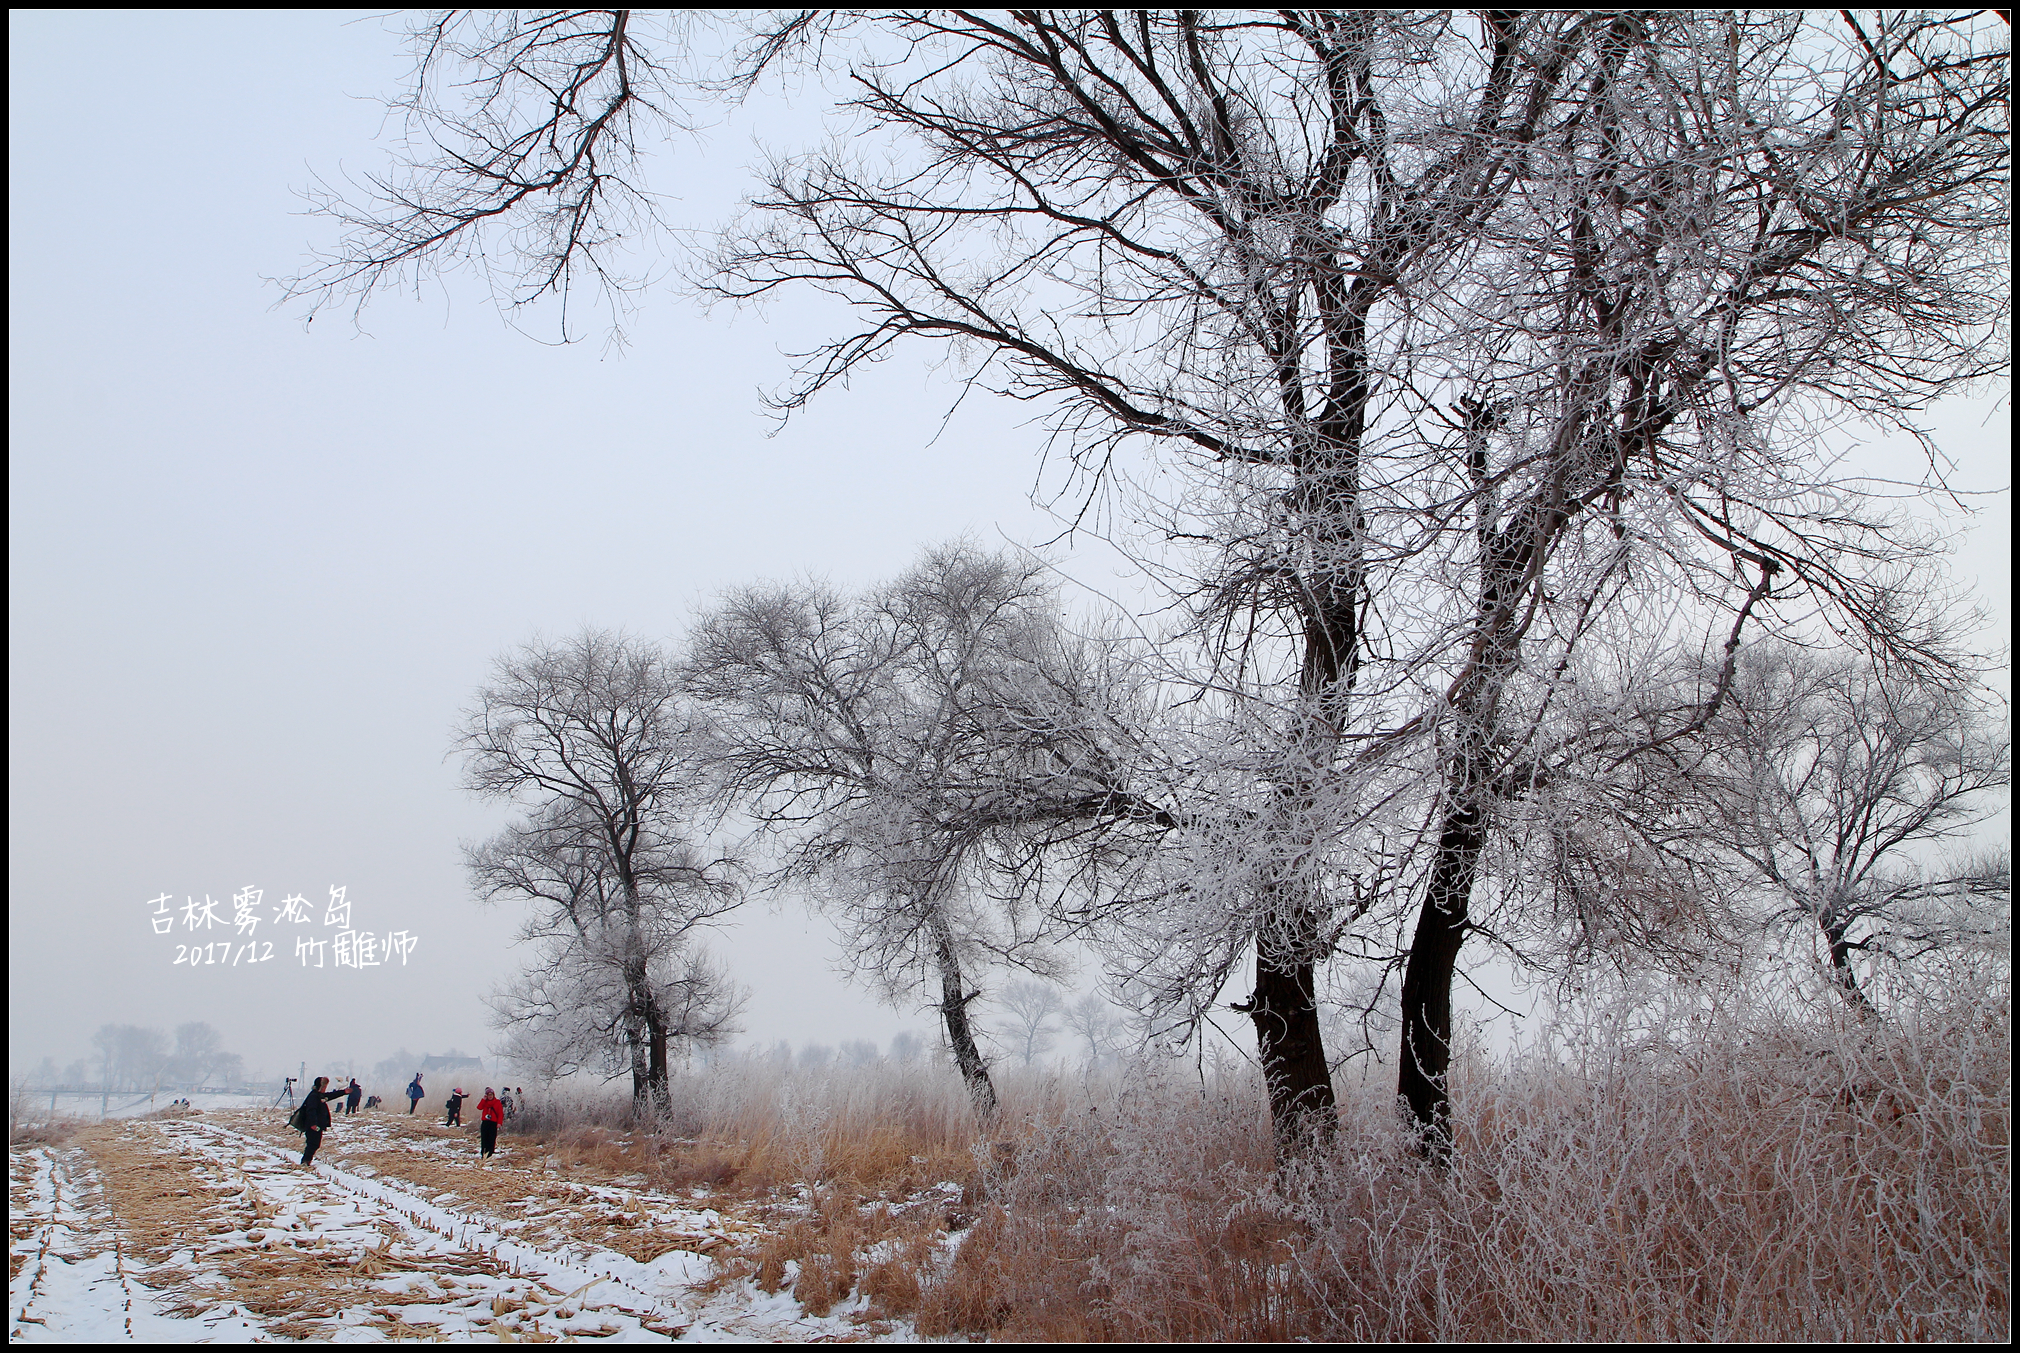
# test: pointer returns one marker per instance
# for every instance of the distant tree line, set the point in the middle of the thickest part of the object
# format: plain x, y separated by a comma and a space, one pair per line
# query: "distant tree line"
129, 1057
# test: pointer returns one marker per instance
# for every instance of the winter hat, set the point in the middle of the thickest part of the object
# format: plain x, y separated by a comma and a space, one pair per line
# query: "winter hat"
457, 1091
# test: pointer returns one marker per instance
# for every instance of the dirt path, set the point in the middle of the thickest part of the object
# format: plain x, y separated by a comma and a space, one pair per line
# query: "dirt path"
523, 1193
207, 1228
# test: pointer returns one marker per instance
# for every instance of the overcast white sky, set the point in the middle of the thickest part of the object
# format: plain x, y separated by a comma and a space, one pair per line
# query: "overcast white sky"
256, 571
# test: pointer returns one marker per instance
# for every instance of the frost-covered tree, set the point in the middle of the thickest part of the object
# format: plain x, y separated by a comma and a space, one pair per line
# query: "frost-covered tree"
132, 1057
590, 736
573, 1008
886, 745
1824, 799
199, 1052
1416, 347
859, 1052
1095, 1023
1465, 338
1836, 785
1026, 1024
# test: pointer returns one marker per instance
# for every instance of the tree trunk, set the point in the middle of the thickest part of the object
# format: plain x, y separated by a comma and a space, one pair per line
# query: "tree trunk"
1332, 586
1507, 555
1284, 1009
1846, 979
1289, 1044
641, 1076
954, 1011
656, 1066
648, 1025
1427, 980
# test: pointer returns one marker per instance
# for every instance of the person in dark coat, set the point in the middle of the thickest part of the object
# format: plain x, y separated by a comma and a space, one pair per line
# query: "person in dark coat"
315, 1116
352, 1094
414, 1093
455, 1118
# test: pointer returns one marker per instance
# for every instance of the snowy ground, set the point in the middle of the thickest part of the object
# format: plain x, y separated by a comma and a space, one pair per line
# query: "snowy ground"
206, 1228
86, 1105
72, 1284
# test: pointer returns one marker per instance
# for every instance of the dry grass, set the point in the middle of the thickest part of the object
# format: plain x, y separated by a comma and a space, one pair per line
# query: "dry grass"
752, 1130
167, 1111
30, 1124
1792, 1184
1730, 1179
48, 1132
169, 1201
843, 1248
1769, 1180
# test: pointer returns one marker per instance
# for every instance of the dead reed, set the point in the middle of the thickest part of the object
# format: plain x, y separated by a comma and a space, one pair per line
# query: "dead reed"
29, 1123
1780, 1183
751, 1129
1757, 1178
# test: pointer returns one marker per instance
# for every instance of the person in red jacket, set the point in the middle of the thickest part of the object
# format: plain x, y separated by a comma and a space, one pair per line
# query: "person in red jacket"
490, 1113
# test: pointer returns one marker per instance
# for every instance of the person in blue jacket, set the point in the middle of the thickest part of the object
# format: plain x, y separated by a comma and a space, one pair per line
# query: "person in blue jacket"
414, 1093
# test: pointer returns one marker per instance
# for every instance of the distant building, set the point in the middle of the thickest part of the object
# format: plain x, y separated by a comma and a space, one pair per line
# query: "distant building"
452, 1064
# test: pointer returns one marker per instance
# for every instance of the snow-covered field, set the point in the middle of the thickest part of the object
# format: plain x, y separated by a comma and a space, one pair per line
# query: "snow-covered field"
207, 1228
70, 1279
87, 1105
